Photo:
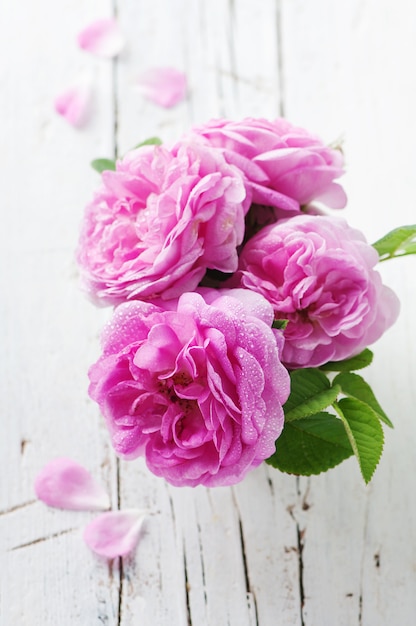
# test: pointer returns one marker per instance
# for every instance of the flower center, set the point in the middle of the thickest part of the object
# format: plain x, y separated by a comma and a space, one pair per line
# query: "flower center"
171, 389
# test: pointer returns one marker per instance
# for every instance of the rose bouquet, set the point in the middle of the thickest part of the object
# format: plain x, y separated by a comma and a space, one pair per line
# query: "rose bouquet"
242, 310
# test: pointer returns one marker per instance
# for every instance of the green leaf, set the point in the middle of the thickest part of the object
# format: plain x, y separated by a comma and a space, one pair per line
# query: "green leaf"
99, 165
280, 324
399, 242
364, 432
349, 365
311, 445
152, 141
355, 386
310, 392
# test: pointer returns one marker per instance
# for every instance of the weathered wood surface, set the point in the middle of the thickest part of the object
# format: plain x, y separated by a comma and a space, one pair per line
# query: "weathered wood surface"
274, 550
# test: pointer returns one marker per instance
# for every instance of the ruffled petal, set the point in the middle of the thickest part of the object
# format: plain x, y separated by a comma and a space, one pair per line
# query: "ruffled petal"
102, 38
164, 86
114, 533
65, 484
73, 104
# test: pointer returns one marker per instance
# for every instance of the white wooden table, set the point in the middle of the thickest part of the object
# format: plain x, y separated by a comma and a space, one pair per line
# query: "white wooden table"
275, 550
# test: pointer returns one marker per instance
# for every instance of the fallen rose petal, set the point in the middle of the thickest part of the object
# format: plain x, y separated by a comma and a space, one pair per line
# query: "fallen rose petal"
73, 104
102, 38
65, 484
114, 533
164, 86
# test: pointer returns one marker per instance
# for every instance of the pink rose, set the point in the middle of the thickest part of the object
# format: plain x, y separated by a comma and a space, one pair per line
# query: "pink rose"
317, 272
197, 389
284, 166
159, 222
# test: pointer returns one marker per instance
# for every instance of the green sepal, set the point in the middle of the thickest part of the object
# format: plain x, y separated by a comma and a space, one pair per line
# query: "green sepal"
310, 392
357, 362
152, 141
280, 324
355, 386
364, 432
398, 242
311, 445
100, 165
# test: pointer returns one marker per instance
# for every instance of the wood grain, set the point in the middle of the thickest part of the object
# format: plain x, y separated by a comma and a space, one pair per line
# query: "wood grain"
273, 550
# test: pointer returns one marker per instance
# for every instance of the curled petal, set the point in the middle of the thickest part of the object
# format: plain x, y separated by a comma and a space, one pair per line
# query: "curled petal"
114, 533
207, 407
102, 38
160, 221
73, 104
65, 484
285, 166
318, 273
164, 86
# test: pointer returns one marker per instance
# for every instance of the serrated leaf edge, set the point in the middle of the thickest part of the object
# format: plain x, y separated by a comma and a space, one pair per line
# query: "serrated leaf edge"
381, 416
353, 442
307, 456
292, 415
333, 366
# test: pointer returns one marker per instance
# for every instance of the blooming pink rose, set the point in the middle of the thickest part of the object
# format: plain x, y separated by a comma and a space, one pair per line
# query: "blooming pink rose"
160, 221
284, 166
317, 272
197, 389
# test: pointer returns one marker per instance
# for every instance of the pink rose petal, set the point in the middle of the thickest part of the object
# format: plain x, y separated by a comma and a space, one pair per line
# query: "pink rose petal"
285, 166
159, 221
164, 86
65, 484
205, 410
73, 104
114, 533
102, 38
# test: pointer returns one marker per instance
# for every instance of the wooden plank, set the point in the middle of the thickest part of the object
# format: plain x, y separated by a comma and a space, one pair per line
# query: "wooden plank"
209, 42
267, 502
197, 542
273, 549
48, 329
348, 72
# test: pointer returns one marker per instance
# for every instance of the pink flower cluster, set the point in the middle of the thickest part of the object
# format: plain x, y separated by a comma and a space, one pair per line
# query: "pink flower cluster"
198, 390
201, 246
284, 166
318, 273
160, 221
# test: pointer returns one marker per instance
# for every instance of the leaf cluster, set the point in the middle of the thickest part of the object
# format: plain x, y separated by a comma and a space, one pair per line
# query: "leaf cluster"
329, 418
